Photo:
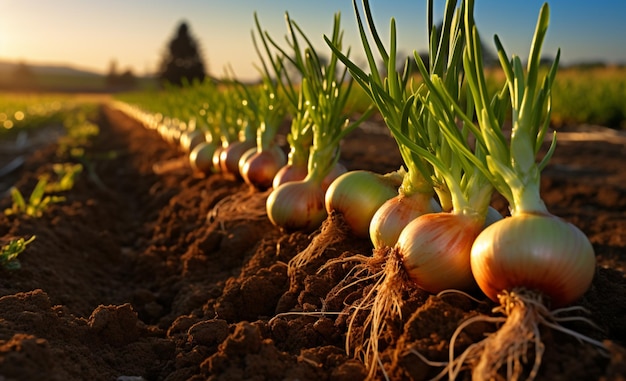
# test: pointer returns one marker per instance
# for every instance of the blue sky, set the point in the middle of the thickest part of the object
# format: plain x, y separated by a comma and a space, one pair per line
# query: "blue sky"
134, 33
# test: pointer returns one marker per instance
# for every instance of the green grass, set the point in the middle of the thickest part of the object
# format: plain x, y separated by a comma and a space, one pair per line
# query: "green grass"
585, 95
24, 111
595, 95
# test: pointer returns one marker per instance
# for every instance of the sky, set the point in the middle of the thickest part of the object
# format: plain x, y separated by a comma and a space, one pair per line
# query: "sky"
134, 33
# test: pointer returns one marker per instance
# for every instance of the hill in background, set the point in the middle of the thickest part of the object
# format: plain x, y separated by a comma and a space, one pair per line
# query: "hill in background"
63, 78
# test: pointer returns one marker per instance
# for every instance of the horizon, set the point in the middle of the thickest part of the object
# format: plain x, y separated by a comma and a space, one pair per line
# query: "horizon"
91, 37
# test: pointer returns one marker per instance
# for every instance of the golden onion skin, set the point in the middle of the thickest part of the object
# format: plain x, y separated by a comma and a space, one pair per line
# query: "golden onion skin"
190, 139
201, 157
395, 214
297, 205
229, 156
289, 172
244, 157
538, 252
435, 250
217, 166
260, 168
357, 195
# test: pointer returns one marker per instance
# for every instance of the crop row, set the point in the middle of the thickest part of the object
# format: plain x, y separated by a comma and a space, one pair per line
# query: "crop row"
430, 223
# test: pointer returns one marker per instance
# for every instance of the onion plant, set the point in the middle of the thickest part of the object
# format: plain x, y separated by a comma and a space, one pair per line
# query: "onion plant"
424, 249
325, 90
242, 125
300, 134
190, 116
37, 202
357, 195
216, 110
259, 165
390, 94
10, 251
531, 260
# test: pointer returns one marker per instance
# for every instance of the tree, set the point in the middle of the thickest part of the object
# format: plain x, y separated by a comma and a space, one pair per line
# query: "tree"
111, 77
182, 61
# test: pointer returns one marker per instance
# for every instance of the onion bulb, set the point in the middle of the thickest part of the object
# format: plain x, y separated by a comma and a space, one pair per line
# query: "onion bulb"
244, 157
195, 139
297, 205
536, 251
190, 139
393, 216
259, 168
435, 250
524, 263
229, 156
217, 166
357, 195
201, 157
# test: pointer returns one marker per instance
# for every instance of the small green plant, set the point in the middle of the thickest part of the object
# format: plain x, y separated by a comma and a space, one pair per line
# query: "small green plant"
37, 202
10, 251
80, 130
66, 174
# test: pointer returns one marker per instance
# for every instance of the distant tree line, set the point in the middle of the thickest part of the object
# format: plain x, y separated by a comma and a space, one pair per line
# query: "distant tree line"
119, 81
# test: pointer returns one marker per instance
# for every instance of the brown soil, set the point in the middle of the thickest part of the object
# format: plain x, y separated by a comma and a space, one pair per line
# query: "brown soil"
142, 278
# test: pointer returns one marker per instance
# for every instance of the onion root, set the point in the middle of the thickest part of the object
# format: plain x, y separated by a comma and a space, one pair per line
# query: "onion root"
524, 312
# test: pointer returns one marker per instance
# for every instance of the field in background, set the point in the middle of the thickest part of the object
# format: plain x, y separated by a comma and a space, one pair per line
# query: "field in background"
595, 95
581, 95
